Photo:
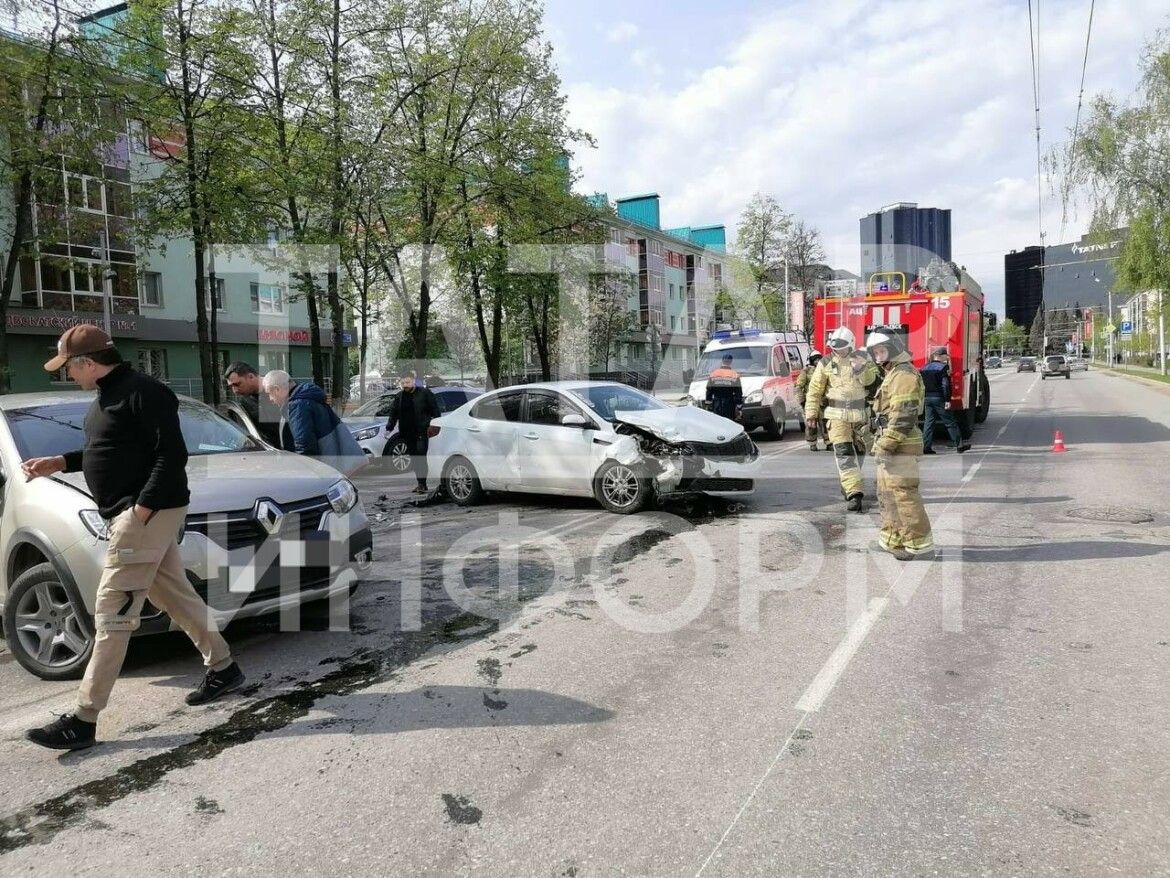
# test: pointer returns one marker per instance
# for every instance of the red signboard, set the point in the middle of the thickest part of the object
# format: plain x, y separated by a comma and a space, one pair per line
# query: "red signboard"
282, 336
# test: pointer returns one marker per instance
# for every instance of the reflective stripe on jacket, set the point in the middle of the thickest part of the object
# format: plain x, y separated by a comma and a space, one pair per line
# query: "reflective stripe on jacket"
900, 400
839, 388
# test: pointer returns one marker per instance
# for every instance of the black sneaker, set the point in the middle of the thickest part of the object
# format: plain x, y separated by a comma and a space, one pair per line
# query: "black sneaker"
929, 451
66, 732
216, 684
966, 446
419, 489
855, 502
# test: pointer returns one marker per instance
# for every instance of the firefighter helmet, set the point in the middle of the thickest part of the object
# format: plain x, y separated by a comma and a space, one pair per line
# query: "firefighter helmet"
815, 357
883, 335
841, 339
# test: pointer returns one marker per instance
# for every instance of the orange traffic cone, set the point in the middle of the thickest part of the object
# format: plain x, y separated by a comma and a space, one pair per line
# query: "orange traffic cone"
1058, 443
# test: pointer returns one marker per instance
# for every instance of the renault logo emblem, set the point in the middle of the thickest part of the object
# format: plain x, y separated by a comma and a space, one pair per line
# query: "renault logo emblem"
270, 516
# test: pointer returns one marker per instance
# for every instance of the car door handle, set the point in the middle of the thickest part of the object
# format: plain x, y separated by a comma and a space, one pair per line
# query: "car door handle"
473, 429
531, 436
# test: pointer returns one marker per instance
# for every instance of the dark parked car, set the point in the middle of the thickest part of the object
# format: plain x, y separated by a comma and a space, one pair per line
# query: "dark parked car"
994, 362
1026, 364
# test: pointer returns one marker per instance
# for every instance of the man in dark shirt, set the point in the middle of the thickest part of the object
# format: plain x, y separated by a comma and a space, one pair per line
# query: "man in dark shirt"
245, 383
412, 412
936, 381
134, 462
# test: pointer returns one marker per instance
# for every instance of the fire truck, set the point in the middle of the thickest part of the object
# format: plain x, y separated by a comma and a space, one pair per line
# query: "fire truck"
926, 319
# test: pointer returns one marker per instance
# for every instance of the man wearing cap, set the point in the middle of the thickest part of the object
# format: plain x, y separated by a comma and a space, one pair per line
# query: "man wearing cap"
134, 463
936, 379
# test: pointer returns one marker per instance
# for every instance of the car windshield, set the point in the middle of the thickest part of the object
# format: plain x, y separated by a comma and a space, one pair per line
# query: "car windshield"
58, 428
375, 407
605, 399
746, 360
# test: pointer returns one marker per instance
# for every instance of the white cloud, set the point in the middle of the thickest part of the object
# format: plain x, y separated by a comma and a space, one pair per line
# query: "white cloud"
843, 106
622, 32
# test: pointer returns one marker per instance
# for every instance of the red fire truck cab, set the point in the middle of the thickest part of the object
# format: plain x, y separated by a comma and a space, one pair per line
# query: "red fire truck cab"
926, 320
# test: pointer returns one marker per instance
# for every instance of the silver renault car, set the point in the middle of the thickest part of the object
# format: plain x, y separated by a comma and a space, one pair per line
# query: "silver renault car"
266, 531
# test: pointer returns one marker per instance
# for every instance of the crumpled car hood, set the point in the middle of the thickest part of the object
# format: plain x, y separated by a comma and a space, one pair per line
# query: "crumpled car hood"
682, 424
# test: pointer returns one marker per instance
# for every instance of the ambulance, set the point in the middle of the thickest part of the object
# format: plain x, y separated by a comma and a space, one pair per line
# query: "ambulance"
768, 364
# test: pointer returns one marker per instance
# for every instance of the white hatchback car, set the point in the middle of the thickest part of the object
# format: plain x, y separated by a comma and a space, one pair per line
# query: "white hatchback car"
589, 439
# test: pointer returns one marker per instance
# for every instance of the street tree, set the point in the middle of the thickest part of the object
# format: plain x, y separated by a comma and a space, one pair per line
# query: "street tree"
183, 74
50, 85
1120, 164
1037, 332
761, 240
805, 252
610, 319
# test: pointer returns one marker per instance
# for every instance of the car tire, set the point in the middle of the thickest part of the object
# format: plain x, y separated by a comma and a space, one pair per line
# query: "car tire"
1068, 375
620, 488
40, 607
774, 428
984, 408
461, 482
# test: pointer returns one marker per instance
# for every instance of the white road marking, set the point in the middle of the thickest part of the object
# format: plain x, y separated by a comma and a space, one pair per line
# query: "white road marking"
818, 690
971, 472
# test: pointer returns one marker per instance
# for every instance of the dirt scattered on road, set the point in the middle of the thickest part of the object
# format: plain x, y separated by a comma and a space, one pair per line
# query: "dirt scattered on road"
490, 670
461, 811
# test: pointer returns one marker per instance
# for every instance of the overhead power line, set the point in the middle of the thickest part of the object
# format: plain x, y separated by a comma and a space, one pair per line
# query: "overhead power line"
1034, 44
1072, 153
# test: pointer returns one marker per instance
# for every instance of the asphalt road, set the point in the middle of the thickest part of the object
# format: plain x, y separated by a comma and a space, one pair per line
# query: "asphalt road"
706, 690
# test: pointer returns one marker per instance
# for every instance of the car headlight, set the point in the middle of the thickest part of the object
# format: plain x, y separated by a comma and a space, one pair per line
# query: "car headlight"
95, 524
342, 496
754, 398
367, 433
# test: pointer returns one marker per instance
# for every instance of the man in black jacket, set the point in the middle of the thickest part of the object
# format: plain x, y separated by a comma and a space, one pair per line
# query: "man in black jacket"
936, 380
245, 383
412, 412
134, 462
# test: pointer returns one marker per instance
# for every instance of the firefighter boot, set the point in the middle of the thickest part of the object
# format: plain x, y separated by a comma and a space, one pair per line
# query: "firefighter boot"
855, 503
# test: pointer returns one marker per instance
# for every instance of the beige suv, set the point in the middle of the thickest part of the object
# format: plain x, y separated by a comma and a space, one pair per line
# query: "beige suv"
265, 530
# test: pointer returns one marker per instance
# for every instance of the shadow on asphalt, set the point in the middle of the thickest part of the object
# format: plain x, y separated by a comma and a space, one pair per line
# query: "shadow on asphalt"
445, 707
1082, 429
1073, 550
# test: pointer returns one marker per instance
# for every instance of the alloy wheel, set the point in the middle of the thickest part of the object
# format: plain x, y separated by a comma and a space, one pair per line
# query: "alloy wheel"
619, 485
47, 626
460, 481
400, 457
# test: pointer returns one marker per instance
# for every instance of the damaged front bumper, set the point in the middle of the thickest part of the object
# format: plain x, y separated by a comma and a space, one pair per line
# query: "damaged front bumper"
681, 467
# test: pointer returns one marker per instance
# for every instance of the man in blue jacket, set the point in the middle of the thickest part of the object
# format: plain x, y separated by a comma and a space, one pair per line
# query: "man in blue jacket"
307, 418
936, 379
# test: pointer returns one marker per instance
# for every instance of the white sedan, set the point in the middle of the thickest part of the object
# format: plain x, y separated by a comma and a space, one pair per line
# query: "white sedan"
588, 439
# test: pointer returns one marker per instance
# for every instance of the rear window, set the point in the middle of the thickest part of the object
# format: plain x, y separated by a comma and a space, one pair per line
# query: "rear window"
1056, 361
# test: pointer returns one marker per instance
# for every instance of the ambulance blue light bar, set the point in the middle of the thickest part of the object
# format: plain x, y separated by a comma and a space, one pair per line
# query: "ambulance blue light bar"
734, 333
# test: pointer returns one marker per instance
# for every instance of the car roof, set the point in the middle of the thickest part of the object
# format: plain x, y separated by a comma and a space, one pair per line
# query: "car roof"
564, 385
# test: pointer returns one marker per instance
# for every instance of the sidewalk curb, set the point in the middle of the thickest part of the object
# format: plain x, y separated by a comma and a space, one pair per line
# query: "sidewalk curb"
1154, 383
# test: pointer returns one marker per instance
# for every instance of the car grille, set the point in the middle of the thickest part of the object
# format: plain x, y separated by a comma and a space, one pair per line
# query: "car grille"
718, 484
740, 446
240, 529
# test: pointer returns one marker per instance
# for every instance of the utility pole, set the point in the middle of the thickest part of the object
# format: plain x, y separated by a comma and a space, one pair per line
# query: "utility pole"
1109, 327
107, 278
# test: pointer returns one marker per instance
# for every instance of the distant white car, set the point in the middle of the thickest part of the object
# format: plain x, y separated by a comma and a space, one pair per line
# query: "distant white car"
589, 439
1078, 364
368, 423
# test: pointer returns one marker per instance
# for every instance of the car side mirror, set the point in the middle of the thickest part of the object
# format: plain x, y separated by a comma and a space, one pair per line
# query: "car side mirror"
575, 421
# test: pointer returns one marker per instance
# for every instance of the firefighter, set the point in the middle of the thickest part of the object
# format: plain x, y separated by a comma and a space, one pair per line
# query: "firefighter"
810, 432
905, 531
838, 392
724, 391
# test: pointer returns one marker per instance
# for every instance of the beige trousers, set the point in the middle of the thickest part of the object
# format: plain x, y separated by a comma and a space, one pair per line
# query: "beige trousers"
143, 562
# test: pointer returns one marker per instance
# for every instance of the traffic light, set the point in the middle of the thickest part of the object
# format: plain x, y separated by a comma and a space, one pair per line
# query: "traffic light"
992, 321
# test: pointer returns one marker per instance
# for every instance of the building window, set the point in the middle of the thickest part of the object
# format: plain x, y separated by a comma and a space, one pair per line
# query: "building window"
220, 287
86, 193
632, 246
136, 130
270, 360
153, 362
267, 299
617, 236
673, 321
151, 296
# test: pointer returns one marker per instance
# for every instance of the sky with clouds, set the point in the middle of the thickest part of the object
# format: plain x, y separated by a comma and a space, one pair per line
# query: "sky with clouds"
838, 107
